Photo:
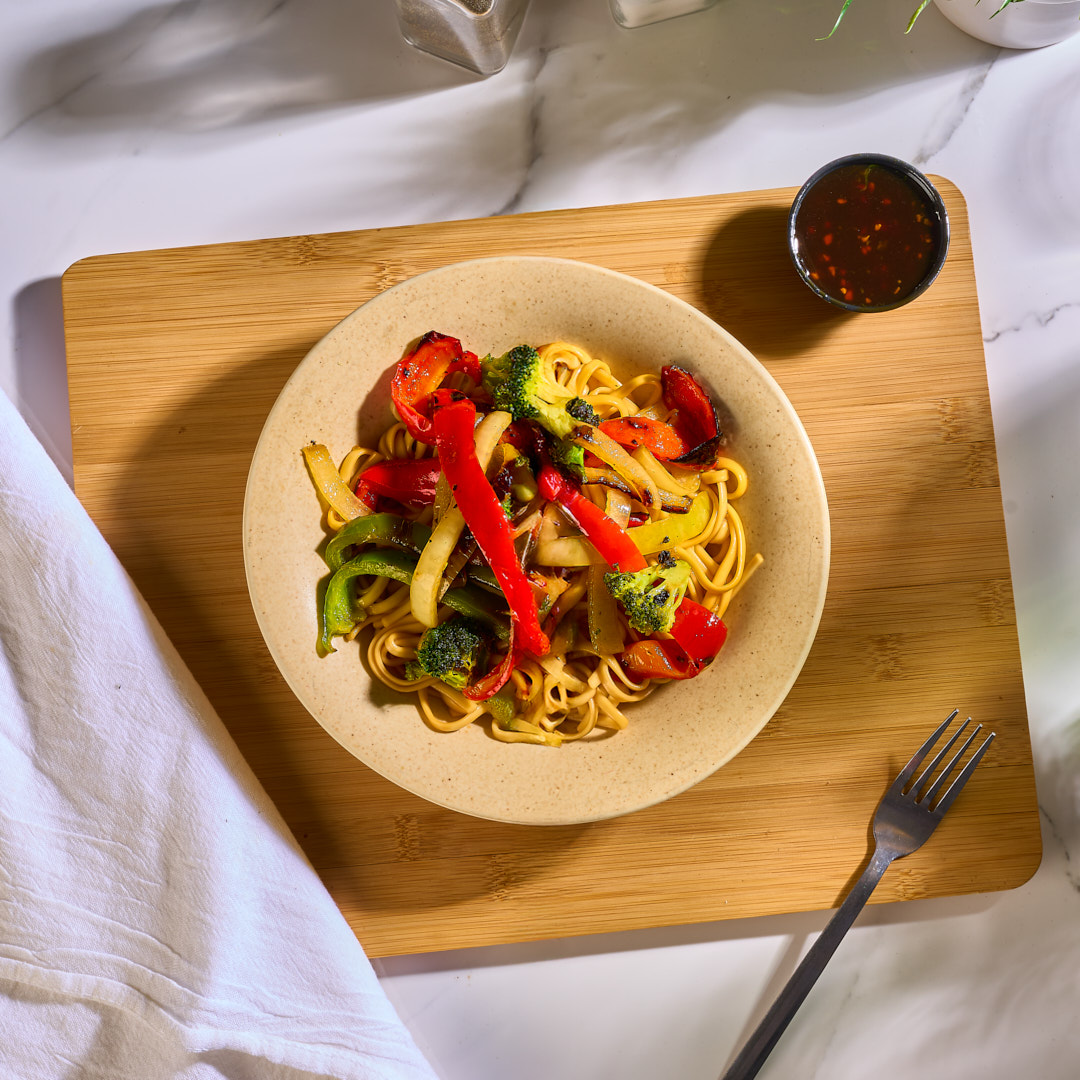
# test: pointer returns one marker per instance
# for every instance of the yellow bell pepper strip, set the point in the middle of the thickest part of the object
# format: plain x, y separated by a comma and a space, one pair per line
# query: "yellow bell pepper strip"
330, 485
697, 633
695, 417
453, 423
649, 538
419, 374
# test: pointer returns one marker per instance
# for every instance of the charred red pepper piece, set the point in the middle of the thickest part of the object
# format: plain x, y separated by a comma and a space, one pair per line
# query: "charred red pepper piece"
497, 677
697, 637
517, 435
420, 373
453, 430
665, 443
655, 659
404, 479
614, 546
698, 631
696, 420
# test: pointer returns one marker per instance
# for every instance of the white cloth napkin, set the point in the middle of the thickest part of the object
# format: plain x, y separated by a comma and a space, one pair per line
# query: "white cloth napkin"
157, 919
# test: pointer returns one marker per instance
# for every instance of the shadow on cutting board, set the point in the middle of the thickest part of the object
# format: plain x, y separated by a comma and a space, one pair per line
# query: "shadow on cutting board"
749, 286
377, 846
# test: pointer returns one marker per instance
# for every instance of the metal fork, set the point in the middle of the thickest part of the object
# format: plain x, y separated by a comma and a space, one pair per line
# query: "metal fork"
905, 818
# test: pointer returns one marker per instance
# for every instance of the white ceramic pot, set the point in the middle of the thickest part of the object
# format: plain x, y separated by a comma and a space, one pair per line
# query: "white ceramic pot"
1029, 24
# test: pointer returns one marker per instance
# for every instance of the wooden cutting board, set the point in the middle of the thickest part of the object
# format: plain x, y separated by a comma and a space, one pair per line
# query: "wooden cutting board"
174, 360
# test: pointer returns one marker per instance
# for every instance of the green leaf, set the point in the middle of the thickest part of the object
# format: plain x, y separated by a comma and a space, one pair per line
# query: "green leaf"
847, 4
919, 10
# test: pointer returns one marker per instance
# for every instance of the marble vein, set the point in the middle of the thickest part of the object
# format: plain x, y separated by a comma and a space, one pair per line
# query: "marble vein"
834, 1026
533, 125
45, 107
65, 95
1040, 318
145, 33
949, 124
1071, 874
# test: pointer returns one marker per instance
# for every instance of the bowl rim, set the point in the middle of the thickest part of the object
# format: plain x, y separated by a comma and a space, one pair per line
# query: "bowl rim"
909, 172
779, 396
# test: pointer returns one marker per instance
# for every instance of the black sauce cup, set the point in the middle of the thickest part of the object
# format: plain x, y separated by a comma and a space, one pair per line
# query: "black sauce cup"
798, 245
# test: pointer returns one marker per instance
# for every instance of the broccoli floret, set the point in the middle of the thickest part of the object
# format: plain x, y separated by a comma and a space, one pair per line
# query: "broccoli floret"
650, 596
450, 652
582, 411
522, 385
568, 456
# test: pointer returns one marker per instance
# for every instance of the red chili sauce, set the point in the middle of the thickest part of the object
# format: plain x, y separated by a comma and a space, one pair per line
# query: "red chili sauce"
866, 235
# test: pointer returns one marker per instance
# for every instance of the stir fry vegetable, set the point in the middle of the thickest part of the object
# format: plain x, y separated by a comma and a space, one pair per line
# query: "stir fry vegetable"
495, 554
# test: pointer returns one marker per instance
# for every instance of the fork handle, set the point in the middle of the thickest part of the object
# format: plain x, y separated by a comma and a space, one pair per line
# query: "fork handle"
768, 1032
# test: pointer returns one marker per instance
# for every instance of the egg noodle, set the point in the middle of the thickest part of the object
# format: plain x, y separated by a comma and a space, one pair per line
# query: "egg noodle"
575, 690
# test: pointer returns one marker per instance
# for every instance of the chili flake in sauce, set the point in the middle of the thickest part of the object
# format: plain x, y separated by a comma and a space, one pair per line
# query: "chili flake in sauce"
867, 236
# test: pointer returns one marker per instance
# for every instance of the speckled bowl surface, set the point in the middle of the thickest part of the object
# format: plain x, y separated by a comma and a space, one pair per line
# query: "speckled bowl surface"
684, 731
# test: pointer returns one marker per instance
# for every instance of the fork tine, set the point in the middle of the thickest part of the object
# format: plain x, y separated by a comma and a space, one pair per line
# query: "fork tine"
908, 770
964, 777
924, 778
936, 786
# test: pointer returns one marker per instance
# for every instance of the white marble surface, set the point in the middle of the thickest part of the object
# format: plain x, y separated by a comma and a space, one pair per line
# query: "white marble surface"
127, 125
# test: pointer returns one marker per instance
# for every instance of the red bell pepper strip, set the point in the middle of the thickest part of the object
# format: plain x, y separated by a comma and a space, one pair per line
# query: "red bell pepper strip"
698, 634
697, 637
453, 428
420, 373
665, 443
698, 631
614, 546
497, 677
405, 479
517, 436
695, 420
657, 659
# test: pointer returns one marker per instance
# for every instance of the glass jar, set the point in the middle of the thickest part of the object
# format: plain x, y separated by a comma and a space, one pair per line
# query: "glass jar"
632, 13
476, 34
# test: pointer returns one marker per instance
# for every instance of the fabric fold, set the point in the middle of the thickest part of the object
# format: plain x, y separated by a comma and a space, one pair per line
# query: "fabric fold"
157, 918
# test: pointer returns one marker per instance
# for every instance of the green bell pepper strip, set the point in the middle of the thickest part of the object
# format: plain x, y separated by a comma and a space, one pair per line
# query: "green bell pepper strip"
341, 613
372, 529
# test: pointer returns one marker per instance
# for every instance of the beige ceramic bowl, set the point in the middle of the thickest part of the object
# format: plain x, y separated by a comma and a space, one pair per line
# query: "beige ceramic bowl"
683, 731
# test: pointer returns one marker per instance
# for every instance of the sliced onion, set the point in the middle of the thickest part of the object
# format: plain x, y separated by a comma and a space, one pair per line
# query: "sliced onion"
611, 453
664, 480
618, 508
671, 501
574, 551
443, 498
428, 576
330, 484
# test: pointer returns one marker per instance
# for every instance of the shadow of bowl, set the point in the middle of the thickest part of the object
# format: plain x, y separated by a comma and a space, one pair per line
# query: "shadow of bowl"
750, 287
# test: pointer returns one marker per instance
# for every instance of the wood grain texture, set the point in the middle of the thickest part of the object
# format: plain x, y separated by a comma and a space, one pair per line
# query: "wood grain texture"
174, 360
